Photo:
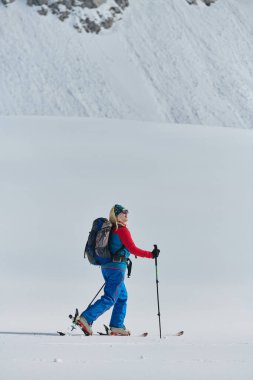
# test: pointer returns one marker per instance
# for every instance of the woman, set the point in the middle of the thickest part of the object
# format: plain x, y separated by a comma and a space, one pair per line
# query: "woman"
115, 294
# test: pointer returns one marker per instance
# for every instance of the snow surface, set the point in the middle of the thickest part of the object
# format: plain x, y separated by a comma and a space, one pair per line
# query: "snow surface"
164, 61
188, 189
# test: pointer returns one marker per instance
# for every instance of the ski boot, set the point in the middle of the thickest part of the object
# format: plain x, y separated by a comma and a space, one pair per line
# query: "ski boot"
81, 322
119, 331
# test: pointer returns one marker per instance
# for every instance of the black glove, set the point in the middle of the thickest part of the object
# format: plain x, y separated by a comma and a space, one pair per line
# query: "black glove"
155, 252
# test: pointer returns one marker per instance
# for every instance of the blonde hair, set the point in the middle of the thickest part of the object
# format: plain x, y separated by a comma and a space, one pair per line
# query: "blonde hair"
113, 219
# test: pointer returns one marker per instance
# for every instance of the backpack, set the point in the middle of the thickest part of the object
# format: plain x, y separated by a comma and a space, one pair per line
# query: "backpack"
96, 249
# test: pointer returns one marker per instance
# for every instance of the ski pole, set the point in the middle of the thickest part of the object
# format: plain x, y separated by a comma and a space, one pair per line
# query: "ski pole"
97, 294
157, 292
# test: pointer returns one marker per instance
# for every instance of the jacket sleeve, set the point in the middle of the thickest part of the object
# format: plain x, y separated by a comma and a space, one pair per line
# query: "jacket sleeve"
126, 239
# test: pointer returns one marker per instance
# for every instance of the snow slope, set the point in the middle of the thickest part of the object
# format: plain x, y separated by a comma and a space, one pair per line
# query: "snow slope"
108, 358
188, 189
170, 62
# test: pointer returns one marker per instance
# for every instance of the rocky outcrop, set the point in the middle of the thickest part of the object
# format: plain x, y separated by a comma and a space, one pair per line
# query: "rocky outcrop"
6, 2
90, 16
207, 2
122, 3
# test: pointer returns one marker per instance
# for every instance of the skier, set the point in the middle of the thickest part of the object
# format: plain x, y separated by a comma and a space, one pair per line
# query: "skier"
121, 245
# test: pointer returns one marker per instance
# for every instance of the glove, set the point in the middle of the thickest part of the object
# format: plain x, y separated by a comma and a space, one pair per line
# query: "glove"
155, 252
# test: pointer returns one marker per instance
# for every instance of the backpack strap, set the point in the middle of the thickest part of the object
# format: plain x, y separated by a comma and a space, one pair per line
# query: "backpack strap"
122, 259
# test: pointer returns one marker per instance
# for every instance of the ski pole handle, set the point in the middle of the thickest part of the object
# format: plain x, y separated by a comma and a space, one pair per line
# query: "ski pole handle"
155, 252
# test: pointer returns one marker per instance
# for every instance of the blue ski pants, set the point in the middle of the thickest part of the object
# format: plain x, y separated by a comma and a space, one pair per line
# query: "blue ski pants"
115, 294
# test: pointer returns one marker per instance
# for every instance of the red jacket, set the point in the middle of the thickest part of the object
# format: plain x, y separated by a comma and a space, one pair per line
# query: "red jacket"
126, 239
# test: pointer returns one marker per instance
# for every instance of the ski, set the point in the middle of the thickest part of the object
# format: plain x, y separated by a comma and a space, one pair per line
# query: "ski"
75, 322
140, 336
179, 333
61, 333
99, 333
108, 333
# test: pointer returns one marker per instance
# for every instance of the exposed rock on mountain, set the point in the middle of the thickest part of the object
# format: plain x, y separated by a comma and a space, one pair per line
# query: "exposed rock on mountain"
85, 15
207, 2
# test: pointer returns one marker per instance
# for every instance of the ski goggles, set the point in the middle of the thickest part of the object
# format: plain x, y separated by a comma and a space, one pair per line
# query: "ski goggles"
118, 209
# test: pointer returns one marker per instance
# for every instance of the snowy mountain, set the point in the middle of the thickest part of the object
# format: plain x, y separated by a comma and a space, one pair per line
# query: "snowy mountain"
86, 15
172, 61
